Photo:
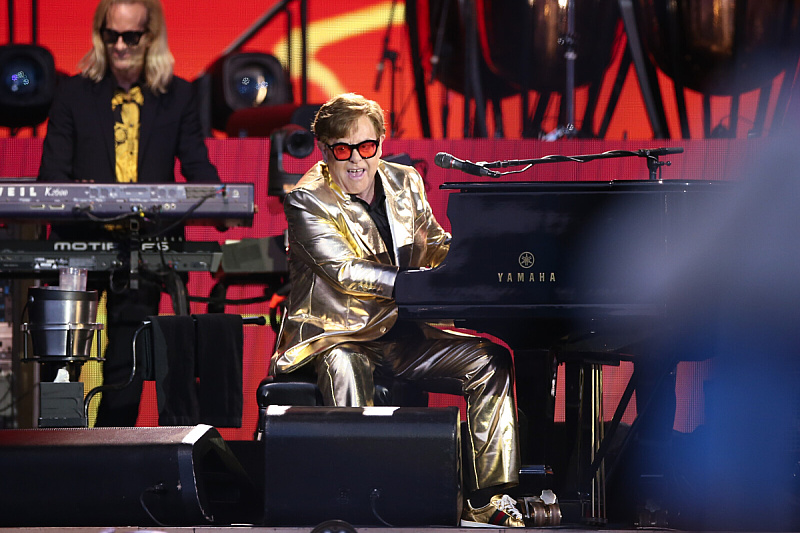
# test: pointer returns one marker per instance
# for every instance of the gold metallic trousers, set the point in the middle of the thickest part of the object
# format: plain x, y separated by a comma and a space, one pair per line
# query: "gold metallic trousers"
438, 361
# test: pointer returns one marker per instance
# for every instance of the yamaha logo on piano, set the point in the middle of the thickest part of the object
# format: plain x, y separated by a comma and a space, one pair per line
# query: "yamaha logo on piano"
526, 261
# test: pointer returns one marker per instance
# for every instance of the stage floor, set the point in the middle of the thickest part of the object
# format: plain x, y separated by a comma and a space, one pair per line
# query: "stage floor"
260, 529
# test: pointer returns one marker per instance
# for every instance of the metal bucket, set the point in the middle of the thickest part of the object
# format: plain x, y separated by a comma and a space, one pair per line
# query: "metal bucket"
61, 324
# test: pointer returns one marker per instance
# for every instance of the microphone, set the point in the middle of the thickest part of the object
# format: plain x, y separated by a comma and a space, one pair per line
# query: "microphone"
660, 151
379, 75
445, 160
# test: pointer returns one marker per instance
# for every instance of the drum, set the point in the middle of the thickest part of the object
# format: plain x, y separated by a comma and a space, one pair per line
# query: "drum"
443, 39
523, 42
720, 47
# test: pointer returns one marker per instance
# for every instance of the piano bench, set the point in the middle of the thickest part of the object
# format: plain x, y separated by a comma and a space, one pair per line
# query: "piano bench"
300, 389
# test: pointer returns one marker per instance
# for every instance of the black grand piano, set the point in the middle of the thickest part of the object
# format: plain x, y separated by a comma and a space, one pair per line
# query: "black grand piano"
581, 273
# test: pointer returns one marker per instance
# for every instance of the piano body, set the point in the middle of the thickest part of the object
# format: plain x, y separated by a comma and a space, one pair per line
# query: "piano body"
564, 272
551, 251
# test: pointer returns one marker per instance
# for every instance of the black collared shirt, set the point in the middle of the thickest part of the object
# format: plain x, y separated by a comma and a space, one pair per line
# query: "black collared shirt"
405, 330
377, 212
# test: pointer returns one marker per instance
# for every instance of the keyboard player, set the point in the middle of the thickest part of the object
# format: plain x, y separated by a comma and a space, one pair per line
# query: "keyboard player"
124, 118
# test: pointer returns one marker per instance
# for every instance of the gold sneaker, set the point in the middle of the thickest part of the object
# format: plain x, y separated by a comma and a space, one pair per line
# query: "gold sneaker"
501, 511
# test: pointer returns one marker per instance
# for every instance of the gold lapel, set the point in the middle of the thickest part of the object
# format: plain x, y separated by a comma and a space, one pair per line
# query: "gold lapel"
399, 208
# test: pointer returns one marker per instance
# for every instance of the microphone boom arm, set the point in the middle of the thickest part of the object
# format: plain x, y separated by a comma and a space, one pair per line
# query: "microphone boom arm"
652, 155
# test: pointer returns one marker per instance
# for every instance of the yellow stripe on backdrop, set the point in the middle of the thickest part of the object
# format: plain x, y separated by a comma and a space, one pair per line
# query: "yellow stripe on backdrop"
328, 32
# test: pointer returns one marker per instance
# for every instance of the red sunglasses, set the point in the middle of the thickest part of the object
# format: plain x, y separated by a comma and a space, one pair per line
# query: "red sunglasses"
343, 151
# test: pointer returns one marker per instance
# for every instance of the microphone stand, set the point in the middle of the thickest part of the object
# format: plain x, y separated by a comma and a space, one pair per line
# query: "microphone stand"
570, 55
651, 154
436, 57
391, 56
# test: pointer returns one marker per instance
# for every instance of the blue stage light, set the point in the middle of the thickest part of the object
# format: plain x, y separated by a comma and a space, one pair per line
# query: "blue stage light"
27, 84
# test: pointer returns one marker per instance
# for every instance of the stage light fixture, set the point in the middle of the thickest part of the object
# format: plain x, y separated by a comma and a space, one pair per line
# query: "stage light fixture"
27, 84
295, 141
263, 121
242, 81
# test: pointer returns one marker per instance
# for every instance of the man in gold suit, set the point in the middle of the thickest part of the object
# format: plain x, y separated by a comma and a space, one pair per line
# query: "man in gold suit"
354, 222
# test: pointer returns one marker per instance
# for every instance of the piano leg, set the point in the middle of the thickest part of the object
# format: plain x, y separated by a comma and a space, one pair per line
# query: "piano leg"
585, 431
651, 438
579, 465
588, 437
591, 439
535, 374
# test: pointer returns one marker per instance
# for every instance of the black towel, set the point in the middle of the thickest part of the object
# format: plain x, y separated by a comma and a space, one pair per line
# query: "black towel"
219, 348
173, 346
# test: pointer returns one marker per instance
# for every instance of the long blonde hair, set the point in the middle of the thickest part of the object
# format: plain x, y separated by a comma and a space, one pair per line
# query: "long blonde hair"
159, 61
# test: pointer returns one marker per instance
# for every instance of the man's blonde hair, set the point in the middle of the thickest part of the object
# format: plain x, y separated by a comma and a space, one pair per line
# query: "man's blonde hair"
338, 116
158, 62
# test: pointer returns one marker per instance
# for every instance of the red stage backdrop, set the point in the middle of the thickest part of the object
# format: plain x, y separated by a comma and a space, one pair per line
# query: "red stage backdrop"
345, 45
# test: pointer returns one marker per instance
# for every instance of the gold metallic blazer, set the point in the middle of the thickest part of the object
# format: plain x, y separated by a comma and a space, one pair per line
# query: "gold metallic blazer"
341, 272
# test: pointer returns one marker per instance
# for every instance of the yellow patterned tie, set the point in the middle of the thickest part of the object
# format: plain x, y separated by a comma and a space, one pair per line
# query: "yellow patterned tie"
126, 133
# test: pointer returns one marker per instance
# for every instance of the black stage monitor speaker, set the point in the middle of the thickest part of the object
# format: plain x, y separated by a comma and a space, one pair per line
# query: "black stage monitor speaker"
382, 466
164, 476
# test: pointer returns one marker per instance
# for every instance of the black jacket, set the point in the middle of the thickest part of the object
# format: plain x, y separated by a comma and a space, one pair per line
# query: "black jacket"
79, 145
